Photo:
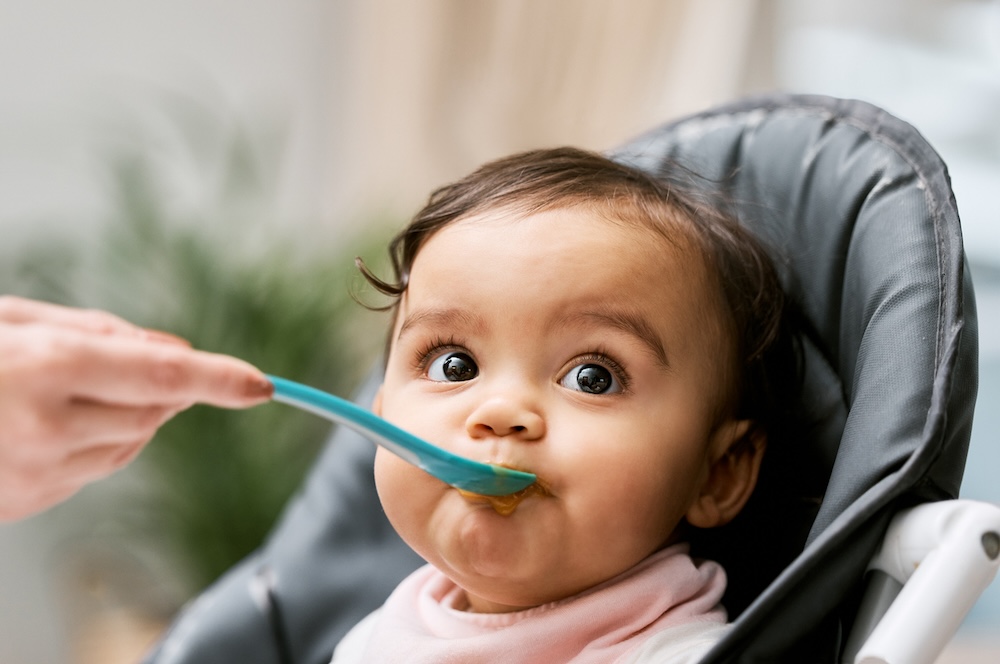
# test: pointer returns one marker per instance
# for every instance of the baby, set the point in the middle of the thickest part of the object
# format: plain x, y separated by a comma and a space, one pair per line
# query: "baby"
563, 314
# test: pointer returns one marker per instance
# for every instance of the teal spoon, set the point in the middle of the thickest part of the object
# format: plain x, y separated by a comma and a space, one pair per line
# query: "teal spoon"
459, 472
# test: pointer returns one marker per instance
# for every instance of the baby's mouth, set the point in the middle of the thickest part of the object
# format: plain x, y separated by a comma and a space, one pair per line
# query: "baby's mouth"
505, 505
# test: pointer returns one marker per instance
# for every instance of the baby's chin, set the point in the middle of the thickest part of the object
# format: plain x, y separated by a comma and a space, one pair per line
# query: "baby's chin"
493, 556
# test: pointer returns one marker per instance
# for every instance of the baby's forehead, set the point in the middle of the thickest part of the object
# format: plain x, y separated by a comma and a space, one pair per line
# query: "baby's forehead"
653, 233
585, 254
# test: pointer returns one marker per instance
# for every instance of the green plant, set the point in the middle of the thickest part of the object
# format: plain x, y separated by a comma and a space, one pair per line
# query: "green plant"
222, 477
215, 480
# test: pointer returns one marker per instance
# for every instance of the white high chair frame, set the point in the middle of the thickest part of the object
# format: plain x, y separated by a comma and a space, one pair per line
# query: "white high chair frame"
934, 563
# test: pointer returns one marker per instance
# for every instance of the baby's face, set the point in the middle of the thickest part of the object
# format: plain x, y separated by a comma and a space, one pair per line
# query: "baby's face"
589, 353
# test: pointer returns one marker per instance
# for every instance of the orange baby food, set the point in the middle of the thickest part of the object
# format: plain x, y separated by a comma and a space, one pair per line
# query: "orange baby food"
505, 505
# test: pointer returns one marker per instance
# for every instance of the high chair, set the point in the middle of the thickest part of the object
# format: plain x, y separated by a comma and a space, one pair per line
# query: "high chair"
864, 555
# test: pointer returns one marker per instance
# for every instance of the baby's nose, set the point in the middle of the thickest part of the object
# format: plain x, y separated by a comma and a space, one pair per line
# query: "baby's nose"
501, 416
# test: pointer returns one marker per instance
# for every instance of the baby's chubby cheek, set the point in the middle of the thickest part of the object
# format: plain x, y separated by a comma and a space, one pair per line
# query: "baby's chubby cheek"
407, 493
390, 476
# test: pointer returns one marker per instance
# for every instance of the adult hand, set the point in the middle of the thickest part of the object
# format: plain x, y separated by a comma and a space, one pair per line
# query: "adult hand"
83, 391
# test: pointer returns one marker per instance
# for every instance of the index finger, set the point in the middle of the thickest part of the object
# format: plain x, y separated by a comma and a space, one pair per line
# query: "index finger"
136, 372
23, 311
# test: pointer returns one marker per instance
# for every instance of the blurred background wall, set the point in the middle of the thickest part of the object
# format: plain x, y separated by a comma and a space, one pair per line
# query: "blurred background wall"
234, 138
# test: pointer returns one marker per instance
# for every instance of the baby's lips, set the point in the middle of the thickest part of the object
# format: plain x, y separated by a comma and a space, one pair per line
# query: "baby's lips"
543, 485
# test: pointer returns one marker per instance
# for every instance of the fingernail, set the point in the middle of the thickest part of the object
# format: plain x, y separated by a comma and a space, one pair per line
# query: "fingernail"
259, 388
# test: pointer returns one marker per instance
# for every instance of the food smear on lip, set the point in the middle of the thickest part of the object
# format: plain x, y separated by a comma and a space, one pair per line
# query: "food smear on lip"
505, 505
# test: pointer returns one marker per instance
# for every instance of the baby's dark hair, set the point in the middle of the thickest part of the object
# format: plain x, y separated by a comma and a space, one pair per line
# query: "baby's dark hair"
676, 204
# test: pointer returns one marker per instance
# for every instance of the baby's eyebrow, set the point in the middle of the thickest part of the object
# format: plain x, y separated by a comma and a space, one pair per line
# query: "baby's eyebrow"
628, 322
444, 318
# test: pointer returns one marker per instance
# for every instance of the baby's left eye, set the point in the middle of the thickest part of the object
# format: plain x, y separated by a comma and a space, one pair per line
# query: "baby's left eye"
591, 378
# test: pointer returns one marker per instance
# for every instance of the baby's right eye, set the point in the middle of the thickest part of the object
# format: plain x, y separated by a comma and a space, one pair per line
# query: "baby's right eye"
452, 367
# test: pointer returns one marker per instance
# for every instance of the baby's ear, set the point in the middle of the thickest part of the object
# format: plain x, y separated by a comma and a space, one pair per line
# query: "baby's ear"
736, 452
377, 402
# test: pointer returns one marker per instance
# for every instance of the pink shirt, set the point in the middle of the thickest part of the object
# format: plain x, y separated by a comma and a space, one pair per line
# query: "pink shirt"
420, 622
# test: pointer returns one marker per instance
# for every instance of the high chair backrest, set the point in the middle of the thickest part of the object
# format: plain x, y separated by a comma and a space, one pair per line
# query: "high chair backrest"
859, 212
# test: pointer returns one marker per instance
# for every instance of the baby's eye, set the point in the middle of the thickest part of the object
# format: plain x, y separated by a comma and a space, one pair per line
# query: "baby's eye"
592, 378
452, 367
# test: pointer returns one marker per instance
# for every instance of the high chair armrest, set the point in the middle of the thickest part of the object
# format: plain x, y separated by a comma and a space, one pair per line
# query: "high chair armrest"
939, 558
